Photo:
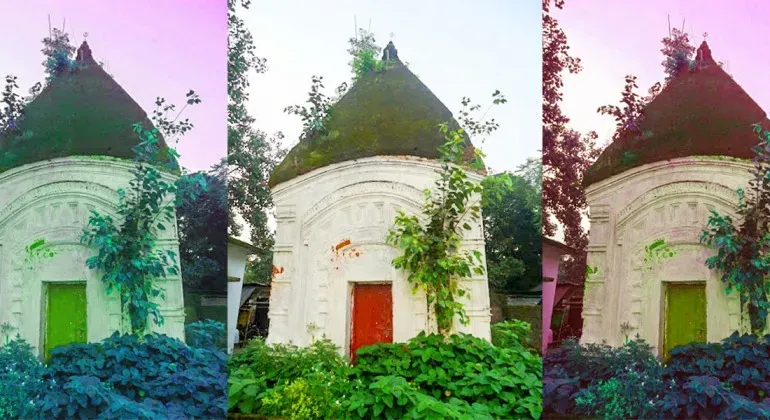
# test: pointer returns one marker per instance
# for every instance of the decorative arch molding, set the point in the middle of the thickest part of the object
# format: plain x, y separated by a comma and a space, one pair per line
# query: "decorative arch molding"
97, 193
679, 190
362, 191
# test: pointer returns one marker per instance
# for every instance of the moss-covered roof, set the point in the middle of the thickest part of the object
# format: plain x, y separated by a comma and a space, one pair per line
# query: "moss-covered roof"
82, 112
701, 112
388, 113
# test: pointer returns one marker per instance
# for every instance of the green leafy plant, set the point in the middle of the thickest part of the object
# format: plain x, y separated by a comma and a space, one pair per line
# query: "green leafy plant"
431, 252
512, 333
21, 379
58, 52
127, 255
742, 247
259, 368
206, 334
316, 116
186, 381
392, 397
364, 50
316, 395
575, 371
366, 61
506, 380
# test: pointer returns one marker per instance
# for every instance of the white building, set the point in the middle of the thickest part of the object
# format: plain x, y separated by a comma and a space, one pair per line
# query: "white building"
693, 155
73, 156
337, 195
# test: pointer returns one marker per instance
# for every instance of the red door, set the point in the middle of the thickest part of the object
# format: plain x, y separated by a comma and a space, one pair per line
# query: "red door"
372, 320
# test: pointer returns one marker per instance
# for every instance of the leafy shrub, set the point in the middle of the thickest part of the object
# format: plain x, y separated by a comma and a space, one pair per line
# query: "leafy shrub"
740, 361
260, 371
508, 381
573, 371
513, 333
86, 397
206, 334
315, 396
21, 379
392, 397
182, 379
630, 395
706, 397
715, 380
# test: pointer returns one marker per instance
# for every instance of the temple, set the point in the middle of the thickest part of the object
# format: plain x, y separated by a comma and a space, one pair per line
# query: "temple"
69, 155
336, 196
655, 188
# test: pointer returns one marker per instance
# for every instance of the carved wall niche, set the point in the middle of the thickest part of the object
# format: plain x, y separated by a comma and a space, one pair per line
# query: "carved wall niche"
57, 212
677, 213
340, 241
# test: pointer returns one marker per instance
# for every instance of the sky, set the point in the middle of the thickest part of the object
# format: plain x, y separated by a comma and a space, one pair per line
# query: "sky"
455, 49
614, 39
152, 48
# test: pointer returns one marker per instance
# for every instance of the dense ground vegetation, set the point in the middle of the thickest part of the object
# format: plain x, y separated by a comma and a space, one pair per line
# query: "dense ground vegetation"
706, 381
123, 376
431, 376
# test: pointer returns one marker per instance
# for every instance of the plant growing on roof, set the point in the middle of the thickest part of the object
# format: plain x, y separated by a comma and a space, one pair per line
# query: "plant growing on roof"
677, 52
364, 50
316, 116
126, 246
58, 52
742, 247
431, 252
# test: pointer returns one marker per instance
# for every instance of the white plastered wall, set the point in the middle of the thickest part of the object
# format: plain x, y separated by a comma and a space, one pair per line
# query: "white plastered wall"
331, 230
52, 200
669, 200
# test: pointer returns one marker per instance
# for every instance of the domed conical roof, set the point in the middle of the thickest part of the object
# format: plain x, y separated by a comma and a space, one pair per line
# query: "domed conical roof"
82, 112
385, 113
701, 112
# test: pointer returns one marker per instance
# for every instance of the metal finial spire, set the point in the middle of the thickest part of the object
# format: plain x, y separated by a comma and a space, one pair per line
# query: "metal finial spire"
85, 35
705, 35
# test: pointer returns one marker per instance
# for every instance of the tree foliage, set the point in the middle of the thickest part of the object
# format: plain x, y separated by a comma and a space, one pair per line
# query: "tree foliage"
127, 252
513, 236
742, 246
566, 153
252, 154
202, 216
316, 116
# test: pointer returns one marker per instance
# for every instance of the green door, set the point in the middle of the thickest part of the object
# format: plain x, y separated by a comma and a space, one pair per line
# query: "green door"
66, 316
685, 315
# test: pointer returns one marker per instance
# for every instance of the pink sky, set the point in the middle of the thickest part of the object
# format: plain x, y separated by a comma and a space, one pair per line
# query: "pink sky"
152, 48
615, 38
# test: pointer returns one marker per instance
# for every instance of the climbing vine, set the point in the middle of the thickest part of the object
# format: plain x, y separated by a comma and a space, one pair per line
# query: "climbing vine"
126, 246
432, 253
743, 248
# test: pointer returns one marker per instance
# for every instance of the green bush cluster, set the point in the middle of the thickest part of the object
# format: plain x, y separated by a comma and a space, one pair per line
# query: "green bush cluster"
206, 334
713, 380
21, 379
124, 376
430, 376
